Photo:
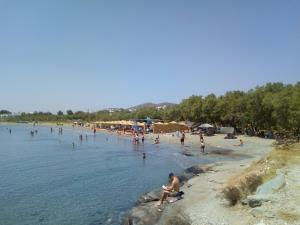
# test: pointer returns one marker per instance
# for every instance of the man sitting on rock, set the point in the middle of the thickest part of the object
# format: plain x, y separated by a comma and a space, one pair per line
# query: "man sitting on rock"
172, 190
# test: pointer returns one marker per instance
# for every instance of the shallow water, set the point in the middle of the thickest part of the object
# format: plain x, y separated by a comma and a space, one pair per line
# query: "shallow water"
43, 180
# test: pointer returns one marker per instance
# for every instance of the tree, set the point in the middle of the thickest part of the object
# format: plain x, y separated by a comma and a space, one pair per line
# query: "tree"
231, 107
172, 113
294, 108
69, 112
209, 109
191, 108
60, 113
3, 111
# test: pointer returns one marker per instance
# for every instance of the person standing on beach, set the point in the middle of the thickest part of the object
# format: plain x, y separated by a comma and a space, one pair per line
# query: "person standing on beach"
133, 139
137, 139
182, 138
202, 145
143, 138
201, 137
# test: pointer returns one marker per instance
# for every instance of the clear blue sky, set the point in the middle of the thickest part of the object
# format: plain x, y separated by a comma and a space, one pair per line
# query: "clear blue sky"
89, 54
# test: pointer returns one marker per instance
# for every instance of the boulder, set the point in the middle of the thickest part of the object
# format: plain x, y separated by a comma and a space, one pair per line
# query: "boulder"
195, 170
144, 214
150, 196
254, 203
271, 186
257, 200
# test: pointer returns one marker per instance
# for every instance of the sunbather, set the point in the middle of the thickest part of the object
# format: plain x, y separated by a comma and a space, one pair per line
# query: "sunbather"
170, 191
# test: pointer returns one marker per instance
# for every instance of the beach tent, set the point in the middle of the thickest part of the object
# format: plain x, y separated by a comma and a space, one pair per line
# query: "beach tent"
206, 125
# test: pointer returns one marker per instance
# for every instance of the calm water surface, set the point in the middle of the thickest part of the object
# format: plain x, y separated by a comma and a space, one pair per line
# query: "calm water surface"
43, 180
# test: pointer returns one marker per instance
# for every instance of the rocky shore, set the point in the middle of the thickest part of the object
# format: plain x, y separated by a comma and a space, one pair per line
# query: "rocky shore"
146, 213
204, 202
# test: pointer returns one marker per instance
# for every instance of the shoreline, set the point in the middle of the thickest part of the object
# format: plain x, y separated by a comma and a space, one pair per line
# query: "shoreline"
203, 201
202, 187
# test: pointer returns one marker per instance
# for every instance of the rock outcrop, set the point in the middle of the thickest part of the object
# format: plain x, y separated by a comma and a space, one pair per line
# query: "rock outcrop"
145, 213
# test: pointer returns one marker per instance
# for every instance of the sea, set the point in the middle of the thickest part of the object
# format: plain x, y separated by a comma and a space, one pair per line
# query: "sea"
45, 180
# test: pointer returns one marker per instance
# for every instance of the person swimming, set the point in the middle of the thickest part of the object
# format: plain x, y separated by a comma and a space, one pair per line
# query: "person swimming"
240, 144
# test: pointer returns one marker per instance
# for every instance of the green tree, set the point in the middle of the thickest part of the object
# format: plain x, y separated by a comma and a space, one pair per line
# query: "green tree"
191, 108
69, 112
3, 111
209, 108
60, 113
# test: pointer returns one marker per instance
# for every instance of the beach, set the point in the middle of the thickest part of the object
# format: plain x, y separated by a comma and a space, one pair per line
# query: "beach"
204, 202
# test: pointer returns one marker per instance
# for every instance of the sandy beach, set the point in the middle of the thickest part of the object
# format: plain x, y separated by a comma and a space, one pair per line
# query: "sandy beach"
204, 203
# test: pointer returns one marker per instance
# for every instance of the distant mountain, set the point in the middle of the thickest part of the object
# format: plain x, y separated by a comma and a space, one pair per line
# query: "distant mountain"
152, 105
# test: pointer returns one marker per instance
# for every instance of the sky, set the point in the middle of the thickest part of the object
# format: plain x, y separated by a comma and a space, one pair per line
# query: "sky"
90, 55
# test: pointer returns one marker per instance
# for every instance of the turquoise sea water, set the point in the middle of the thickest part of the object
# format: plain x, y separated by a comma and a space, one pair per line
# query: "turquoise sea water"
43, 180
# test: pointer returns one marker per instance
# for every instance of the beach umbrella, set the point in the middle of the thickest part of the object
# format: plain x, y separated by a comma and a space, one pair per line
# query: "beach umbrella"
206, 125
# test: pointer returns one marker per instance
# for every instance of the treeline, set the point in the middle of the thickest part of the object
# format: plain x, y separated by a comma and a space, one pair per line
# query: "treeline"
272, 106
